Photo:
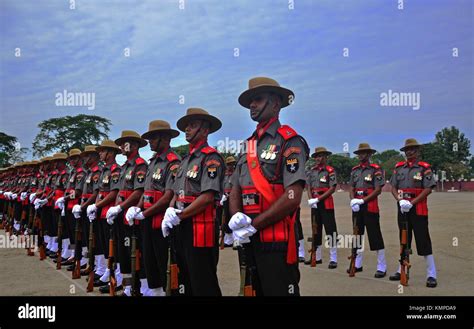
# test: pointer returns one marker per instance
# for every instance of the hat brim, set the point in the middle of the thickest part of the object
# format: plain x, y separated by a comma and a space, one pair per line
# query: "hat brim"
114, 148
173, 133
216, 124
325, 153
141, 141
408, 146
88, 152
246, 97
365, 150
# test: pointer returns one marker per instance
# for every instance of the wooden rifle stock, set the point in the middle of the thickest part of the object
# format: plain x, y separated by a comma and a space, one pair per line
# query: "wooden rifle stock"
404, 253
90, 283
76, 273
110, 266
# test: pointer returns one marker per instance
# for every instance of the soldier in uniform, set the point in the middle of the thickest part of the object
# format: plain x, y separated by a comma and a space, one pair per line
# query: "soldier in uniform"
367, 180
321, 184
266, 192
223, 211
412, 181
198, 187
155, 200
130, 188
108, 151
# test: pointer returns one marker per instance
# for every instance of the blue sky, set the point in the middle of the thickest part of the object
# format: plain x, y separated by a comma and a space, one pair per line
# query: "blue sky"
190, 52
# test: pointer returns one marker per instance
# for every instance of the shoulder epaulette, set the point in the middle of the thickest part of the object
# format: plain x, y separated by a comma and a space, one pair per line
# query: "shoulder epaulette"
287, 132
399, 164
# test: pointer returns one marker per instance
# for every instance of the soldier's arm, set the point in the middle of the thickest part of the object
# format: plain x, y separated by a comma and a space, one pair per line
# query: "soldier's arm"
235, 199
395, 193
374, 194
284, 206
90, 201
132, 200
421, 196
108, 199
328, 193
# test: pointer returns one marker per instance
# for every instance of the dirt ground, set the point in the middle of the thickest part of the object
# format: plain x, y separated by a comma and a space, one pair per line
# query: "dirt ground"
451, 228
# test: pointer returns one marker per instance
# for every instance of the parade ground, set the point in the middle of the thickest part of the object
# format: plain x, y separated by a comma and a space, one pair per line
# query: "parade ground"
451, 227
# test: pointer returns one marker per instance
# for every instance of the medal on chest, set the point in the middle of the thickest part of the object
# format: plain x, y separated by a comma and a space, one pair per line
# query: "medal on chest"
418, 176
193, 172
128, 176
368, 178
323, 179
157, 174
269, 153
105, 180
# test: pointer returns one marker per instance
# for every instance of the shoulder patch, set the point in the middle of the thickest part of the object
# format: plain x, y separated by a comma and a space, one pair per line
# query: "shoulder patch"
399, 164
171, 157
287, 132
292, 150
213, 162
208, 150
139, 161
424, 164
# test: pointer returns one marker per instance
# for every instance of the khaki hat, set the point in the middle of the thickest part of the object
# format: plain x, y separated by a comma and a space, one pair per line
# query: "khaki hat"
364, 147
260, 85
60, 156
89, 149
410, 142
74, 152
130, 135
47, 159
320, 150
34, 162
230, 159
108, 144
157, 126
196, 113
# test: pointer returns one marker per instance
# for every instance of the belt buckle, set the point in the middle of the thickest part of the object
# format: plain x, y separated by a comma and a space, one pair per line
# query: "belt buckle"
250, 199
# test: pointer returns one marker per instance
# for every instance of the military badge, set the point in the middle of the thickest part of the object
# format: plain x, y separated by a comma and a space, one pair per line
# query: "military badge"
105, 179
174, 169
141, 176
292, 165
129, 174
157, 174
212, 172
418, 176
269, 153
115, 177
95, 179
323, 179
368, 178
192, 173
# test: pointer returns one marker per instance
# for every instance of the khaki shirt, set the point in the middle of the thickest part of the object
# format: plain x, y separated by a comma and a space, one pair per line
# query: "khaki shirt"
162, 171
419, 175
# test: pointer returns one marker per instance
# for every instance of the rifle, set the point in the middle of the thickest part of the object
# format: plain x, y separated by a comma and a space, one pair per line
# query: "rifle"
353, 256
110, 264
404, 252
314, 229
90, 283
135, 262
246, 272
39, 227
60, 238
172, 282
29, 230
76, 273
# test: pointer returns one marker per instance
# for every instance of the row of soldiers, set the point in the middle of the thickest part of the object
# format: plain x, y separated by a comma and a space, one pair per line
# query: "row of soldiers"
153, 228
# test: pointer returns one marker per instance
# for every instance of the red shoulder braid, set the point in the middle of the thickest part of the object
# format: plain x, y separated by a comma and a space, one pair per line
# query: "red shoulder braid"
171, 157
139, 161
374, 165
329, 169
208, 150
399, 164
424, 164
287, 132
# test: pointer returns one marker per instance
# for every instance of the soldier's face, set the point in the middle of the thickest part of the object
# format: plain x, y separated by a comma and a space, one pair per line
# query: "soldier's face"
320, 159
412, 152
259, 105
231, 166
194, 131
103, 155
73, 161
364, 156
158, 142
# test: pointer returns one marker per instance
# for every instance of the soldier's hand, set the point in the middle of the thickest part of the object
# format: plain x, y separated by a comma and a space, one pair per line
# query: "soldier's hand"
243, 234
405, 205
91, 209
131, 213
355, 208
32, 197
114, 211
76, 211
223, 199
239, 220
357, 201
313, 203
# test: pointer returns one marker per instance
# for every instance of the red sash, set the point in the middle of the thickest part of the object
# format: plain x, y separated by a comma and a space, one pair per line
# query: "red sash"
150, 198
328, 202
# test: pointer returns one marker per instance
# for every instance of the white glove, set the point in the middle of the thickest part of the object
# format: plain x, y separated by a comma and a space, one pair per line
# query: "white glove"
113, 212
76, 211
131, 213
92, 217
357, 201
32, 197
313, 203
1, 192
14, 196
355, 207
242, 235
110, 220
91, 209
23, 196
60, 203
405, 205
170, 220
7, 194
239, 220
39, 203
223, 199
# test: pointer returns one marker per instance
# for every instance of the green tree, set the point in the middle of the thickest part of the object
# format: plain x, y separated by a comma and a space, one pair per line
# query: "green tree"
62, 134
455, 144
343, 166
10, 152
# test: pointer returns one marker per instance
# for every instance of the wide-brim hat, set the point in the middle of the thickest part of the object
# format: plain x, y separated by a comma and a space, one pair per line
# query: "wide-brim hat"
159, 126
60, 156
230, 159
130, 135
47, 159
195, 113
320, 150
410, 142
107, 144
260, 85
364, 147
89, 149
74, 152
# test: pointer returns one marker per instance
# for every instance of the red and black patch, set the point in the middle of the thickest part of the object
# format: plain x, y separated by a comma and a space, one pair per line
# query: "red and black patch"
141, 176
212, 172
292, 165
